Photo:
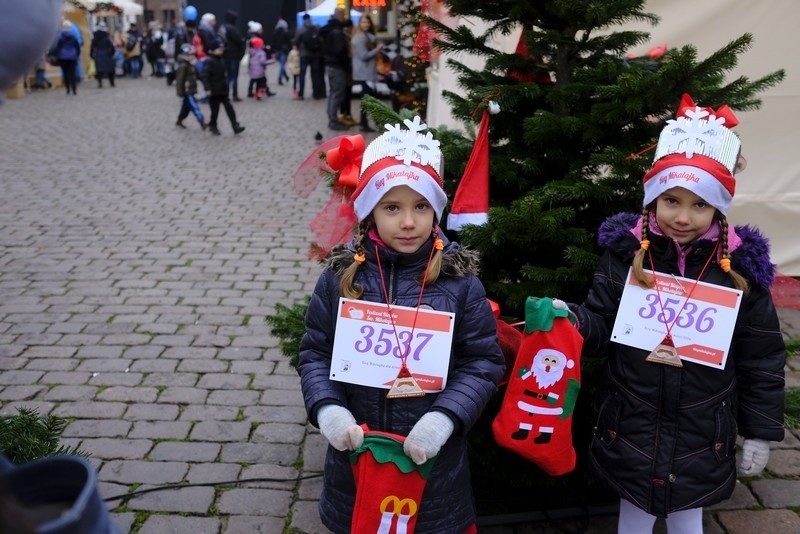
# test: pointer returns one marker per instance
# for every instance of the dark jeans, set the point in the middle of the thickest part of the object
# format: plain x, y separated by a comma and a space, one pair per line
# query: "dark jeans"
366, 90
337, 80
190, 106
68, 74
101, 75
232, 67
318, 77
214, 101
282, 74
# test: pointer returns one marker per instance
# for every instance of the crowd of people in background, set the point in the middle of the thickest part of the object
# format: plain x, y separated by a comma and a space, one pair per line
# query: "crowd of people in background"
334, 58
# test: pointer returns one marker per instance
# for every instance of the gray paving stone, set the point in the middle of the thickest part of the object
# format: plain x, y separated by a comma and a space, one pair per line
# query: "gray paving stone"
128, 394
276, 414
138, 472
259, 453
249, 524
189, 500
279, 433
183, 395
96, 428
70, 393
777, 493
220, 431
90, 410
305, 518
232, 397
772, 521
784, 462
213, 473
51, 351
160, 430
209, 413
185, 451
179, 524
255, 501
66, 377
21, 393
14, 377
152, 412
117, 448
202, 366
51, 364
269, 476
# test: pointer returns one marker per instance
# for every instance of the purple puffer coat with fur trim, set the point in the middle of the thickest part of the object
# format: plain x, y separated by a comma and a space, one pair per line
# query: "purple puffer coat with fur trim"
665, 437
476, 364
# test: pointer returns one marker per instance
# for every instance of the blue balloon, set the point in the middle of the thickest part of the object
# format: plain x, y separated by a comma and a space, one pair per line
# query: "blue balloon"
190, 13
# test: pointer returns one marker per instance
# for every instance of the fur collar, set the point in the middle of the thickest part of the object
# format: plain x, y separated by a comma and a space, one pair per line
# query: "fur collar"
750, 259
456, 262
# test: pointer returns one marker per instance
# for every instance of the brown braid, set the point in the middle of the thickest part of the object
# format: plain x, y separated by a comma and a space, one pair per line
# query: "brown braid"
638, 260
347, 286
435, 268
739, 281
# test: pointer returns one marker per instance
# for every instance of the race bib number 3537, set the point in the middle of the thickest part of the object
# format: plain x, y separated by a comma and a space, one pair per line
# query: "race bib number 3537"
368, 349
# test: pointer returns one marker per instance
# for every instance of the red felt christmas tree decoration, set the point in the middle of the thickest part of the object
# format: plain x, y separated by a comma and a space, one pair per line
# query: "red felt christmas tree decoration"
535, 418
389, 485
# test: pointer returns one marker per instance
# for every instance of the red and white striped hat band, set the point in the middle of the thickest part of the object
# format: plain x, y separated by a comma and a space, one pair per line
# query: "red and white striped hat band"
400, 157
698, 152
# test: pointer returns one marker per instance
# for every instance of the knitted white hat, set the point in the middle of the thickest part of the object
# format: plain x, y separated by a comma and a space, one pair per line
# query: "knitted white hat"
698, 152
400, 157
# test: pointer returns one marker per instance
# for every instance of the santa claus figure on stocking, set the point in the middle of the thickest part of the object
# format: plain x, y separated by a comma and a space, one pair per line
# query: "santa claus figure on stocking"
548, 396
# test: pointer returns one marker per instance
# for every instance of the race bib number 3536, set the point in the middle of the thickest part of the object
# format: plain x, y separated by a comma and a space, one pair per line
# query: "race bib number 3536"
701, 328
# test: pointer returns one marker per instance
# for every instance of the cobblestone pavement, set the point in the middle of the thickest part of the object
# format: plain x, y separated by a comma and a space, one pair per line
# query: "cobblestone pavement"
137, 264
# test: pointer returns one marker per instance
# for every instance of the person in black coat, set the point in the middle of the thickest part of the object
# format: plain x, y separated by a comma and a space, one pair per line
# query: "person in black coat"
102, 52
217, 77
689, 366
235, 47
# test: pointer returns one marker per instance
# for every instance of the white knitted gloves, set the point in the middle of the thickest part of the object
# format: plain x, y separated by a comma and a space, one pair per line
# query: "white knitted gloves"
427, 437
755, 455
339, 427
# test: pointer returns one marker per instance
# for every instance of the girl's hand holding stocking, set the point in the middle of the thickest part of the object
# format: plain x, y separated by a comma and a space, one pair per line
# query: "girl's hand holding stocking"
339, 427
427, 437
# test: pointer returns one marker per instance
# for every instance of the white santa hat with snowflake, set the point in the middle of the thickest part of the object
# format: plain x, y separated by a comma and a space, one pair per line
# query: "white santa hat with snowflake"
400, 157
696, 151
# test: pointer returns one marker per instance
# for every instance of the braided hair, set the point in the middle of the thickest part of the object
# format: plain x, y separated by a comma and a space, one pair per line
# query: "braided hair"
347, 286
648, 281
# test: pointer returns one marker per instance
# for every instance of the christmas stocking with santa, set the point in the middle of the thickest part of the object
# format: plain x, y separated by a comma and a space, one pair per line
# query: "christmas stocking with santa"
389, 485
535, 418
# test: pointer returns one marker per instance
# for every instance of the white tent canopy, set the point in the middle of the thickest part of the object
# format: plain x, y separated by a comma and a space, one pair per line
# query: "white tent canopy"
322, 13
129, 7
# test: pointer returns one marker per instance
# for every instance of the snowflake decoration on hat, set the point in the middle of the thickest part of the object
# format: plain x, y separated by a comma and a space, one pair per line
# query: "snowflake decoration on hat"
699, 130
410, 145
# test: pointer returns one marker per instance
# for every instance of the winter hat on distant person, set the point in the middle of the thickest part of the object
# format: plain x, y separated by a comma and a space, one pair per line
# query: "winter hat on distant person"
254, 27
696, 151
187, 49
102, 26
257, 42
400, 157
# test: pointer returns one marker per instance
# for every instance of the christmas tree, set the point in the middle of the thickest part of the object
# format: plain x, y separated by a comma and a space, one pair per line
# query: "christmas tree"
569, 148
570, 145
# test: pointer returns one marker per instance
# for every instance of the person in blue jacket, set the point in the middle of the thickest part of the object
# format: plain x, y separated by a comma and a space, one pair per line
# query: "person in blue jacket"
68, 51
399, 257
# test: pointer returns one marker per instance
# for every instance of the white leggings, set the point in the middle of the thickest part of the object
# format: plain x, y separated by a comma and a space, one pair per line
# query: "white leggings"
634, 520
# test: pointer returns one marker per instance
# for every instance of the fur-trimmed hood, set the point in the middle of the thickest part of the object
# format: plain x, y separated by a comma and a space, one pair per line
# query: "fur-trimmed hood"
750, 258
457, 261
